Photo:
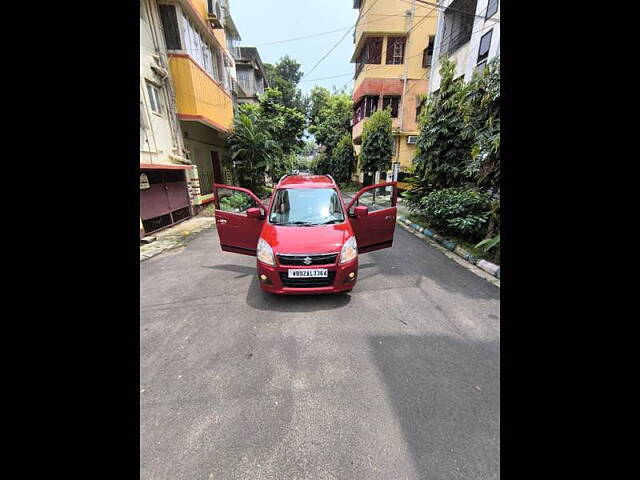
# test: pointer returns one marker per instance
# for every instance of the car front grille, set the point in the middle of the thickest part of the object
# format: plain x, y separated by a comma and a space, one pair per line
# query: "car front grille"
308, 282
323, 259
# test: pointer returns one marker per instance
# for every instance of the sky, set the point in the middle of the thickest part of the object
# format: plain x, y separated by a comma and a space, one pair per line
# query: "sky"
264, 21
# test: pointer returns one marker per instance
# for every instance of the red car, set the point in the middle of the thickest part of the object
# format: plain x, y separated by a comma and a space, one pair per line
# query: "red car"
306, 240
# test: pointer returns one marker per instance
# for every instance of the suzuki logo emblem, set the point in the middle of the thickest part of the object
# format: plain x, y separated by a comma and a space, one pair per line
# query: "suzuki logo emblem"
307, 261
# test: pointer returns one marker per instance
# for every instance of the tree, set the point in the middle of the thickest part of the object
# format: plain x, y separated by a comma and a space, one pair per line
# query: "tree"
321, 165
308, 148
253, 151
483, 126
335, 121
318, 101
377, 143
289, 69
343, 160
285, 124
443, 148
284, 77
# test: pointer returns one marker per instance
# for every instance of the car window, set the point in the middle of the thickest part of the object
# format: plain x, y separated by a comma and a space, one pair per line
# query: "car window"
375, 199
306, 206
235, 201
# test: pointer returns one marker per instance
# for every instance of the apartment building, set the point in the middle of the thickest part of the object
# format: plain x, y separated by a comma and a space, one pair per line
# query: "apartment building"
164, 192
394, 42
251, 75
469, 34
202, 70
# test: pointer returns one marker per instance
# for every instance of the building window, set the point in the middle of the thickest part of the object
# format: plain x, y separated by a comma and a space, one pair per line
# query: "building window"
393, 103
373, 50
485, 44
358, 112
170, 26
458, 24
427, 53
246, 81
492, 8
371, 53
395, 50
370, 105
154, 98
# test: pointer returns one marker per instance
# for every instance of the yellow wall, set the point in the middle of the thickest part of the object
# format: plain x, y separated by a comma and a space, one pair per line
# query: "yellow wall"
201, 8
406, 153
386, 19
199, 94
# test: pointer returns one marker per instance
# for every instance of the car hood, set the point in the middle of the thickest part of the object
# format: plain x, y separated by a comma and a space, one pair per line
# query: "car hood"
309, 240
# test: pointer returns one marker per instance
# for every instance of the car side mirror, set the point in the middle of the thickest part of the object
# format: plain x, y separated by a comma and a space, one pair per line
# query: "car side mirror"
253, 212
361, 211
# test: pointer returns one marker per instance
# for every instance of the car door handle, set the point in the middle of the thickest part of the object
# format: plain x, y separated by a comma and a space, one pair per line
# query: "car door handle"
222, 220
389, 217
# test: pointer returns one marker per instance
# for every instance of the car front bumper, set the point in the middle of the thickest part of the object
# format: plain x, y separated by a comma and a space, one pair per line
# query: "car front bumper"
273, 283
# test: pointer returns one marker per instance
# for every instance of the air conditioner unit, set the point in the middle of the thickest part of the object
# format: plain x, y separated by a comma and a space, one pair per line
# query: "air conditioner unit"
212, 15
412, 139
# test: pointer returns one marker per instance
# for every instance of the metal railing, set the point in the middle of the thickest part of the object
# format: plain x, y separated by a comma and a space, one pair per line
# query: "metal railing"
206, 182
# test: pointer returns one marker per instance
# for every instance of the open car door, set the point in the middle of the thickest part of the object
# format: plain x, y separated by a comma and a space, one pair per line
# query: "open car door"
373, 216
239, 218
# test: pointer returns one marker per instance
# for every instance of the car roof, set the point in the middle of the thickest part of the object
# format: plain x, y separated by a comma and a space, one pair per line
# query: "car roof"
306, 181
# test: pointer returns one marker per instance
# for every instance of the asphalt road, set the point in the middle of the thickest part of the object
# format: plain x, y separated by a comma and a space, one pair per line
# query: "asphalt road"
397, 380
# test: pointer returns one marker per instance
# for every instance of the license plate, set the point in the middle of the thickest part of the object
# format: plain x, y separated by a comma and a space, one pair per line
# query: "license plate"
309, 273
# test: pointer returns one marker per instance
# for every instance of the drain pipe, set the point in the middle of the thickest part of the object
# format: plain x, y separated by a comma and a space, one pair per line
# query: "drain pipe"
405, 72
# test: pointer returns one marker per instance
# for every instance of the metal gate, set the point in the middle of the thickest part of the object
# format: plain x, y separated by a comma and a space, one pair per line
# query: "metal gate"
165, 201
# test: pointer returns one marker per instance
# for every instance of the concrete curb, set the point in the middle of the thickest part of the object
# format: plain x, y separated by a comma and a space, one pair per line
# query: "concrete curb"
488, 267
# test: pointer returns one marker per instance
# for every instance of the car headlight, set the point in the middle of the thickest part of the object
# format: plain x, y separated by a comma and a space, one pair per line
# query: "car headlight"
349, 250
265, 253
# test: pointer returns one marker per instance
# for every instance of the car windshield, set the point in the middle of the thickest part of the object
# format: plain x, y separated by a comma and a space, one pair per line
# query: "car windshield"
306, 206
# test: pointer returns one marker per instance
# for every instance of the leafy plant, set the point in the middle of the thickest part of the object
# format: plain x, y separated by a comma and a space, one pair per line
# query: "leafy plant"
237, 201
332, 121
321, 164
489, 243
463, 211
286, 125
377, 143
483, 126
343, 159
443, 151
284, 77
252, 149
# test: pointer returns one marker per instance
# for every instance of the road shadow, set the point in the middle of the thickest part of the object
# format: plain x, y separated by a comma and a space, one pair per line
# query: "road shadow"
242, 270
410, 261
446, 396
260, 300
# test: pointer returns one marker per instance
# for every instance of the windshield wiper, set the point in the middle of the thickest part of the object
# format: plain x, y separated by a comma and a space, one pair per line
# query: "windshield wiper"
297, 223
330, 221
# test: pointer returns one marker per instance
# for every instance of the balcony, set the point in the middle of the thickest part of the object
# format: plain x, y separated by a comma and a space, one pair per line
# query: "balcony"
198, 96
356, 132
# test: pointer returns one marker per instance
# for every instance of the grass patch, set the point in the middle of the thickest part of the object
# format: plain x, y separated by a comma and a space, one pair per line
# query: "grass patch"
468, 246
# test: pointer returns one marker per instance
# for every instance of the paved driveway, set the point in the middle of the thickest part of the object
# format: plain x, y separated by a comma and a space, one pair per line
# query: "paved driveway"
397, 380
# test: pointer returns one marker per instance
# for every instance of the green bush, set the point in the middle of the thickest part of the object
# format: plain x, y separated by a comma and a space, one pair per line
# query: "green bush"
457, 211
236, 202
263, 192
